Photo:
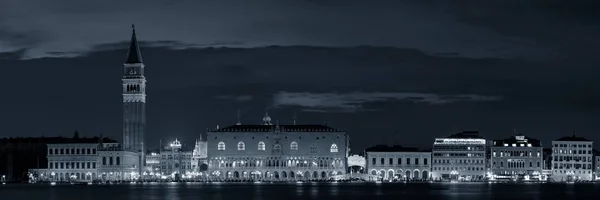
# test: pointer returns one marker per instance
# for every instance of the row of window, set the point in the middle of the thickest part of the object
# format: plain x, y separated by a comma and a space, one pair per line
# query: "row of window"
516, 154
572, 172
241, 146
458, 154
574, 166
72, 151
561, 151
110, 160
459, 161
278, 163
572, 158
574, 145
458, 168
511, 165
72, 165
399, 161
459, 147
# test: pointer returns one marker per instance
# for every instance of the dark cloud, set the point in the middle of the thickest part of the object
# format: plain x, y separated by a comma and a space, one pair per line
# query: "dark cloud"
354, 102
75, 26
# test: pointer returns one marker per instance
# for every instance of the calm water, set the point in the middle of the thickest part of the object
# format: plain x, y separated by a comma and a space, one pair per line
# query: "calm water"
266, 191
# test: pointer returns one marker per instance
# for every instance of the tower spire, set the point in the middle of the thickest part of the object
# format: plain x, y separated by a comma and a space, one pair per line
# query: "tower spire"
134, 55
294, 117
238, 118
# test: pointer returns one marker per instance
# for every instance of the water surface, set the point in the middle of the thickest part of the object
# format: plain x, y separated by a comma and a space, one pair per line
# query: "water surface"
267, 191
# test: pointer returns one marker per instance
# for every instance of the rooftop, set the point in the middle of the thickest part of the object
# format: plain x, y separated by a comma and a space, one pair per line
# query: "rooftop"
273, 128
394, 148
466, 135
514, 140
573, 138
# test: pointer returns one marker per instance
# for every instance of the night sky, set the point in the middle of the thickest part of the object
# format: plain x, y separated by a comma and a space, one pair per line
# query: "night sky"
394, 72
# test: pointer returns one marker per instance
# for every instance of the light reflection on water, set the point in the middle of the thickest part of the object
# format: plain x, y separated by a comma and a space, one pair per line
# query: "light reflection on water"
272, 191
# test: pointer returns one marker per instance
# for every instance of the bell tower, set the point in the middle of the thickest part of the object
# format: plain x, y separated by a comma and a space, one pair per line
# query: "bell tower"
134, 101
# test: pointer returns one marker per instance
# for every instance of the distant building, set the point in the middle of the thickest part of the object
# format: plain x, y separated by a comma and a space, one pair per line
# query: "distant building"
276, 152
398, 163
175, 162
517, 158
572, 159
459, 156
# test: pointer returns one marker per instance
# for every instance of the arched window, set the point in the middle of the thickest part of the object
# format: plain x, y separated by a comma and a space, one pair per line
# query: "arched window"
221, 146
103, 160
334, 148
294, 146
261, 146
118, 160
241, 146
277, 147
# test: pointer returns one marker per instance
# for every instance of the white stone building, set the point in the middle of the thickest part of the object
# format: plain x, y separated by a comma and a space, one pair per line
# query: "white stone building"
116, 164
459, 156
572, 159
276, 152
67, 162
87, 162
398, 163
517, 158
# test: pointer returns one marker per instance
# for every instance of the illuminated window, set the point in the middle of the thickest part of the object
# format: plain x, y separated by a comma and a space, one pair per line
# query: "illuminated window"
334, 148
261, 146
221, 146
294, 146
241, 146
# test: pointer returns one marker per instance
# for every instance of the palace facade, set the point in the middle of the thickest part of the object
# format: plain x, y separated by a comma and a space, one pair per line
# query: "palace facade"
276, 152
517, 158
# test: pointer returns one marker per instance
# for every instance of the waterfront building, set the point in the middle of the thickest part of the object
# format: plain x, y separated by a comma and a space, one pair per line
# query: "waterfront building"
276, 152
175, 162
517, 158
356, 164
391, 163
81, 160
459, 156
71, 161
572, 159
117, 164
